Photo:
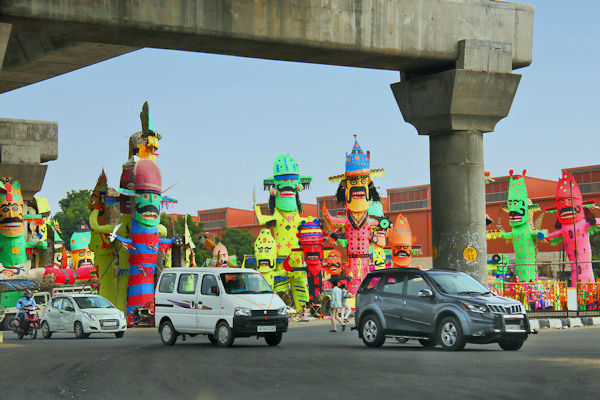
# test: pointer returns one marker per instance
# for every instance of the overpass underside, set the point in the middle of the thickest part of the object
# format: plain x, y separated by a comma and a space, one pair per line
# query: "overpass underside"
455, 58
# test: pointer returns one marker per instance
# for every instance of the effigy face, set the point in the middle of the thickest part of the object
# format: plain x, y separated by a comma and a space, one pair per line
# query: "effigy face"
569, 202
334, 262
265, 250
147, 208
285, 194
82, 258
357, 193
401, 241
11, 209
379, 257
517, 204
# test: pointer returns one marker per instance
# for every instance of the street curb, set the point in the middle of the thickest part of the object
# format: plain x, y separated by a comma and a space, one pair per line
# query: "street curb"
563, 323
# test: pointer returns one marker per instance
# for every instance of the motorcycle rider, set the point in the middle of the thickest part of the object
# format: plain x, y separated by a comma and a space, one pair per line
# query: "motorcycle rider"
26, 300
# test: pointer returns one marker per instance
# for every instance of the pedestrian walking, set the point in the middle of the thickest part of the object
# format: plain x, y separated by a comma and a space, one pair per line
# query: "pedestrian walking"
335, 307
345, 306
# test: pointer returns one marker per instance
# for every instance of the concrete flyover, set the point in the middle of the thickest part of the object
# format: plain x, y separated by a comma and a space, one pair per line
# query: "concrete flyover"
455, 58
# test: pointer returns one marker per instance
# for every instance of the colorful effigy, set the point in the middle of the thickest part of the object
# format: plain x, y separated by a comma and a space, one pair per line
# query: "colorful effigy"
265, 254
336, 268
355, 191
523, 236
284, 204
401, 241
143, 242
574, 225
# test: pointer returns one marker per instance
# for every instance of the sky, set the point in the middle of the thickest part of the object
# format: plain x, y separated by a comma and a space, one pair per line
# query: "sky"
224, 119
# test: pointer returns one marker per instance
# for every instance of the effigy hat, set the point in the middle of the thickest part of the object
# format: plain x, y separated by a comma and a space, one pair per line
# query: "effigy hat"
358, 164
285, 167
310, 232
147, 176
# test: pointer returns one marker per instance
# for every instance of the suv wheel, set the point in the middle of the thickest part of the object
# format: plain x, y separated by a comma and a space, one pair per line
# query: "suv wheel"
224, 334
168, 334
372, 333
450, 334
511, 345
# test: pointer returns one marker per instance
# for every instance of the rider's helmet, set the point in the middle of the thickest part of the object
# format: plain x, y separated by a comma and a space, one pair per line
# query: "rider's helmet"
27, 293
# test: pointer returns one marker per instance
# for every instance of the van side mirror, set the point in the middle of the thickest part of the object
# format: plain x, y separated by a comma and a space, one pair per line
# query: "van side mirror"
425, 293
214, 290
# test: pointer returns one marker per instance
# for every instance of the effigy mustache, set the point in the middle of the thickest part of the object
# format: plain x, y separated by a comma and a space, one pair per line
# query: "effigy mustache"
356, 189
400, 253
147, 208
10, 220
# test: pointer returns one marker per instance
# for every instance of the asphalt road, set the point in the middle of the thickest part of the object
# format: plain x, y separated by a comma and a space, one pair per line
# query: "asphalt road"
310, 363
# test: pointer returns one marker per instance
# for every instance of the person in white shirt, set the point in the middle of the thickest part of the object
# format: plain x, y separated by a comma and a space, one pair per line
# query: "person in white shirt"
335, 307
345, 306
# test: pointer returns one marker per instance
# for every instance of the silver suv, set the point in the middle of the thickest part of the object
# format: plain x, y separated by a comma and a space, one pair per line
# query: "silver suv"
436, 306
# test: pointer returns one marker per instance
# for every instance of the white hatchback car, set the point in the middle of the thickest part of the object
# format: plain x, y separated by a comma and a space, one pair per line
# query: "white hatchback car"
82, 314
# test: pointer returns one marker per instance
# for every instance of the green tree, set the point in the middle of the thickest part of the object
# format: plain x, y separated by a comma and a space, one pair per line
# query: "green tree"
73, 209
238, 242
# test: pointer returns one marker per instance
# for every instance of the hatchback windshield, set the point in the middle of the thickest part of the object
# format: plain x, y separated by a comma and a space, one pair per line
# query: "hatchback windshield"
245, 283
458, 283
92, 302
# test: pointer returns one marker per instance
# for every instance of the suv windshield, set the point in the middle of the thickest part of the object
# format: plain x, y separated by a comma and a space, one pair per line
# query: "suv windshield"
92, 302
245, 283
458, 283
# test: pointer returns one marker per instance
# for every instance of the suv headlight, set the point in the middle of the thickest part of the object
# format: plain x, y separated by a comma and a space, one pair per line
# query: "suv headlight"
242, 311
282, 311
90, 316
474, 307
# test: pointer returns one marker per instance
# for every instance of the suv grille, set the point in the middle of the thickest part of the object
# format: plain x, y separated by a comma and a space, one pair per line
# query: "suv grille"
500, 309
261, 313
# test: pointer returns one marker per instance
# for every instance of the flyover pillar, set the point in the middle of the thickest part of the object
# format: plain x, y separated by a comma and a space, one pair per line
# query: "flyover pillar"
454, 108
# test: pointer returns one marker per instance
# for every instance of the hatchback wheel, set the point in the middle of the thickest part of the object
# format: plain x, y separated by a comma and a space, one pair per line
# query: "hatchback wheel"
46, 332
372, 333
79, 333
450, 334
168, 334
224, 335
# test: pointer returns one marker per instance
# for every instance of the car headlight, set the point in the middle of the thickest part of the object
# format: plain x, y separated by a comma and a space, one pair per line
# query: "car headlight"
242, 311
90, 316
474, 307
282, 311
121, 315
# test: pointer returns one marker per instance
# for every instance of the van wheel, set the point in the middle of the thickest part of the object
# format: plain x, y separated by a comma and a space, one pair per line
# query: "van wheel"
168, 334
274, 340
224, 335
450, 334
79, 333
46, 332
212, 338
372, 333
511, 345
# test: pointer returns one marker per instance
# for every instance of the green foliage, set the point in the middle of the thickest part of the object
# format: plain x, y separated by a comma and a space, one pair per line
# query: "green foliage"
238, 242
595, 242
73, 209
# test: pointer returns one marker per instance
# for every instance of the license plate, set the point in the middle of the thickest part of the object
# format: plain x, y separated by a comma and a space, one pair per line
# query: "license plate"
109, 324
270, 328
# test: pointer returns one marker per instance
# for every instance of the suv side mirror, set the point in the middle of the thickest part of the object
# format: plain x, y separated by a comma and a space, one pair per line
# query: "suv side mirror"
214, 290
69, 308
425, 293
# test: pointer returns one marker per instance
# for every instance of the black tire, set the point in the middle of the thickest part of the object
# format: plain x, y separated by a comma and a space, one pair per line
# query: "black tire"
223, 334
274, 339
371, 331
33, 333
119, 335
427, 343
212, 338
7, 323
401, 340
20, 336
168, 334
46, 332
79, 333
511, 345
450, 334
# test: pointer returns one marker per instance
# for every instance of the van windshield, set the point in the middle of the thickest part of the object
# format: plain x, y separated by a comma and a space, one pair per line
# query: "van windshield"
245, 283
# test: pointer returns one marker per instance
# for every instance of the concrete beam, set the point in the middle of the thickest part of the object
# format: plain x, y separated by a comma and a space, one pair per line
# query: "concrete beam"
408, 35
4, 35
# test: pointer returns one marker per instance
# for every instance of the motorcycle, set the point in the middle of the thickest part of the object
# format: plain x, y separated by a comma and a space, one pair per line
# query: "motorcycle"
31, 323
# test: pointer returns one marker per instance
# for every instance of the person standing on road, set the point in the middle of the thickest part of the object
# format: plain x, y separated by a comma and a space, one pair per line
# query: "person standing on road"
345, 306
335, 307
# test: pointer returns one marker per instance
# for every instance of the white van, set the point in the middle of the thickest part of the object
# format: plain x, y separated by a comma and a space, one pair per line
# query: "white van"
222, 303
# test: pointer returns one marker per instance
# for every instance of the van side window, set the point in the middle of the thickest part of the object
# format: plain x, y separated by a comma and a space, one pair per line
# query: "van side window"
187, 283
394, 284
167, 283
208, 281
415, 284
